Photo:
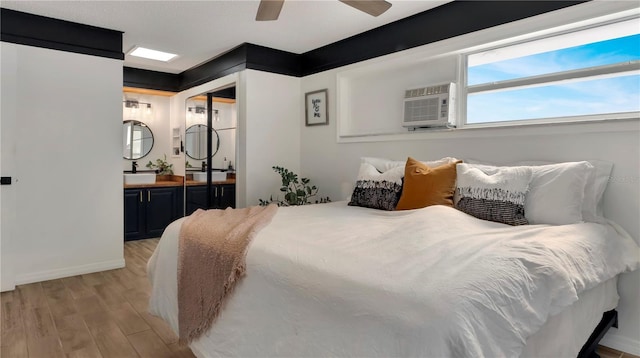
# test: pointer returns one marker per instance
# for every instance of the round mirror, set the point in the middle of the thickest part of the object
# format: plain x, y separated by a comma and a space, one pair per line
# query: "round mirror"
195, 142
137, 139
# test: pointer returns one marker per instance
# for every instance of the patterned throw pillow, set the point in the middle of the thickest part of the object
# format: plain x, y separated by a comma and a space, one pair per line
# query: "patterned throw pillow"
377, 190
494, 193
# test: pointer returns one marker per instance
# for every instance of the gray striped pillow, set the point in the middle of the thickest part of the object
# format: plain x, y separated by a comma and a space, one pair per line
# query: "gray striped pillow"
494, 193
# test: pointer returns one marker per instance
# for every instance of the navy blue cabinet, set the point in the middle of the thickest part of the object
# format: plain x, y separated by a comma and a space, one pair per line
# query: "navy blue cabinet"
134, 209
225, 196
196, 198
222, 197
148, 211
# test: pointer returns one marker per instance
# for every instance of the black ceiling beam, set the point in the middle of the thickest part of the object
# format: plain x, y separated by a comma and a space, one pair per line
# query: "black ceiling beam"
446, 21
139, 78
229, 62
271, 60
229, 92
46, 32
245, 56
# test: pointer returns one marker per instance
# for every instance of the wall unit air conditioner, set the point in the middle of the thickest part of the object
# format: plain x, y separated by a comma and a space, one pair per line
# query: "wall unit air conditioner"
432, 106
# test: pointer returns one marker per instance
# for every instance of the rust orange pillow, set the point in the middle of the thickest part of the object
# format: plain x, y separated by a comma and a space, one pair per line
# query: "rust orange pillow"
425, 186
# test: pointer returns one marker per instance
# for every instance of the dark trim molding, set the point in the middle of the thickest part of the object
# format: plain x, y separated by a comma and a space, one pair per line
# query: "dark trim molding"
446, 21
272, 60
237, 59
45, 32
229, 62
229, 93
139, 78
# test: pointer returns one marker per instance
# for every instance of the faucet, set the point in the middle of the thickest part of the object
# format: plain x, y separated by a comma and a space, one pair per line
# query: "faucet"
134, 165
204, 166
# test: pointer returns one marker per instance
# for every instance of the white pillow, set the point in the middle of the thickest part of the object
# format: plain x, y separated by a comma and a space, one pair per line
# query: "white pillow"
557, 192
593, 190
493, 193
382, 165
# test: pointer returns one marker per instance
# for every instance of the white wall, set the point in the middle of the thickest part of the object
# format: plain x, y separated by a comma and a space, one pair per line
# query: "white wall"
269, 133
365, 88
158, 122
268, 129
65, 138
364, 92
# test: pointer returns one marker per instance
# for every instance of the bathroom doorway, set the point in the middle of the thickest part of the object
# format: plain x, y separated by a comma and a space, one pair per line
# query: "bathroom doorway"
210, 150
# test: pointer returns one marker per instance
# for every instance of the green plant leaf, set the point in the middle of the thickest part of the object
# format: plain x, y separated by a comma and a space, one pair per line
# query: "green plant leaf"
291, 198
294, 193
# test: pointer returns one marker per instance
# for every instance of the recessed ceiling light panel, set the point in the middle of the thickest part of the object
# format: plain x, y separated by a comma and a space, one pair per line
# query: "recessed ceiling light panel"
152, 54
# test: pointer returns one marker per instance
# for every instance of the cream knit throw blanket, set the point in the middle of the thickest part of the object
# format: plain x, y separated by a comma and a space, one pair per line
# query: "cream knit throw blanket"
212, 251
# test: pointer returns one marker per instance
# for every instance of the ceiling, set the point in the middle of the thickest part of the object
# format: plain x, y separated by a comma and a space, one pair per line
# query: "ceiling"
200, 30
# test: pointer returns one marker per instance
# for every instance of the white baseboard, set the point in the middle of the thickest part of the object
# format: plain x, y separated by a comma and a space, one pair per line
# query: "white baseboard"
621, 343
7, 286
68, 271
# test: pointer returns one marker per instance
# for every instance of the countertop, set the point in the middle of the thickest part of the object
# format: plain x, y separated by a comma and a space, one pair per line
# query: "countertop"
231, 179
177, 180
161, 181
228, 181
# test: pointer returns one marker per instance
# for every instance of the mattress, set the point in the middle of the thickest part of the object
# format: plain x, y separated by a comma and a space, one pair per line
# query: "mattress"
564, 334
333, 280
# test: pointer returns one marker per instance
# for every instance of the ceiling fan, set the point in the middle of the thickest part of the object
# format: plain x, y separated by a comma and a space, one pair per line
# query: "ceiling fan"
269, 10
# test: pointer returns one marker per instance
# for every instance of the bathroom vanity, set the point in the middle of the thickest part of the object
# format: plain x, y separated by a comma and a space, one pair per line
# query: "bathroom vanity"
149, 208
223, 194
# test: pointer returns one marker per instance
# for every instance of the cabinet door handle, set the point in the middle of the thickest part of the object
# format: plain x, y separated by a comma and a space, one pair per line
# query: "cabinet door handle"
140, 195
216, 192
221, 191
149, 195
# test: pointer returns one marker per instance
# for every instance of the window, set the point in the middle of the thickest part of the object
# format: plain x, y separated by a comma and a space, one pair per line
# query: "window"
589, 72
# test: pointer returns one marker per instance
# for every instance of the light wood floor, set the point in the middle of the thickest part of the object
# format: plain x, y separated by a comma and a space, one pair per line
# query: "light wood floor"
606, 352
101, 314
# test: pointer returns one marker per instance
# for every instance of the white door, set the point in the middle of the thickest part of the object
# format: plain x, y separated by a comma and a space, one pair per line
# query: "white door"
8, 115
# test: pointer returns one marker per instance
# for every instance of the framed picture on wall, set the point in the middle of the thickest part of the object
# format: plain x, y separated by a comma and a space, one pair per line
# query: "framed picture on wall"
315, 105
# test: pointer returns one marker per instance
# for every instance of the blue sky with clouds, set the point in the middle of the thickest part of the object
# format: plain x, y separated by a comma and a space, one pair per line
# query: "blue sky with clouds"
609, 95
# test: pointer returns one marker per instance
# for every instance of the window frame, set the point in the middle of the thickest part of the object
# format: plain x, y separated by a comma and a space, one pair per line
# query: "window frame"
588, 73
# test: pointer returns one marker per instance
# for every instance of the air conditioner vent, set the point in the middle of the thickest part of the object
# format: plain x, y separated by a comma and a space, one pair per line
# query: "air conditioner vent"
429, 106
426, 91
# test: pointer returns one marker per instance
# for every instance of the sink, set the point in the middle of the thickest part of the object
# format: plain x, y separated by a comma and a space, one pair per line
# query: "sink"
139, 178
215, 176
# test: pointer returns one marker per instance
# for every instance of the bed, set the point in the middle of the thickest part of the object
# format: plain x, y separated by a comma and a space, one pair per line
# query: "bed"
339, 280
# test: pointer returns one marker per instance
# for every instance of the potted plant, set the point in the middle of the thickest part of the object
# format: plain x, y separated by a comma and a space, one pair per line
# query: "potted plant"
162, 167
297, 191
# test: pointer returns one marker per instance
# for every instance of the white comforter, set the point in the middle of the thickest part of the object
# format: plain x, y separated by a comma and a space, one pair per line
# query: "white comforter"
332, 280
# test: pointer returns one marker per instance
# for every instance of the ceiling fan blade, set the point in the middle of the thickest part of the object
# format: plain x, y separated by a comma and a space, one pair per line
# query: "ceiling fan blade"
269, 10
371, 7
